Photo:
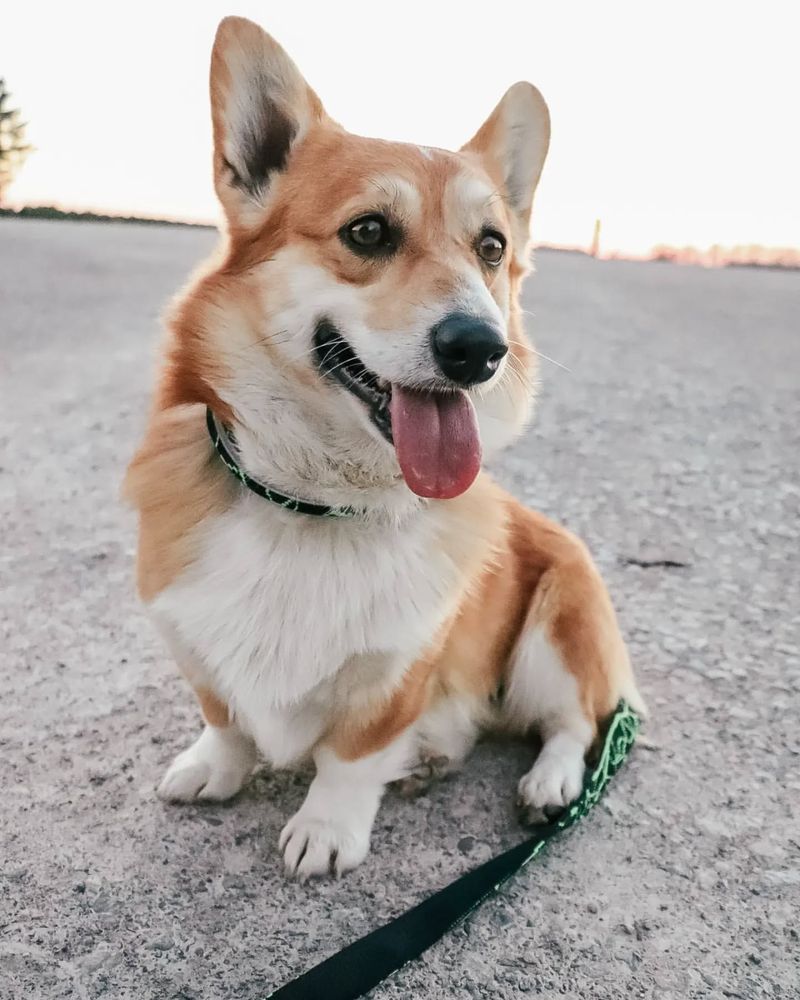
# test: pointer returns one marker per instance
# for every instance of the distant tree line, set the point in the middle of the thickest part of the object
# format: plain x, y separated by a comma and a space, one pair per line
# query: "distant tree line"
13, 147
752, 255
50, 212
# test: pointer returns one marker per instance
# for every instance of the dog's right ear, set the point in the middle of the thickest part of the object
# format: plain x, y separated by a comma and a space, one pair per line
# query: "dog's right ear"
260, 107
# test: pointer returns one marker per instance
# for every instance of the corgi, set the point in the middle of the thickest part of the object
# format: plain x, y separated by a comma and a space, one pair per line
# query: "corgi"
333, 573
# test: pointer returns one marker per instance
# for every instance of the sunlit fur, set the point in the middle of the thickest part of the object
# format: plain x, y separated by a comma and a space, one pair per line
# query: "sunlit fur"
380, 643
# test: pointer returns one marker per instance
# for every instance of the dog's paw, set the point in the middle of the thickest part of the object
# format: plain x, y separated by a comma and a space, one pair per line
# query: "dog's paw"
213, 769
314, 846
552, 783
187, 780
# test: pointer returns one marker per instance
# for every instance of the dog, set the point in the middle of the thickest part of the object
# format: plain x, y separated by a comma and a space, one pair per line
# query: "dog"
335, 576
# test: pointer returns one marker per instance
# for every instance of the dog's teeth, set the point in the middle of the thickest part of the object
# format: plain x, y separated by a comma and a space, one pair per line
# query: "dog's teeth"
336, 358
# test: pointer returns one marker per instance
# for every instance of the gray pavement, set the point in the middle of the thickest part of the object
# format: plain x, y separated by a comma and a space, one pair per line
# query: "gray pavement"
674, 436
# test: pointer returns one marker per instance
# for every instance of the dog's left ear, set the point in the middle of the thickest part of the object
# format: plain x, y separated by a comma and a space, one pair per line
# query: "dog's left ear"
261, 107
513, 143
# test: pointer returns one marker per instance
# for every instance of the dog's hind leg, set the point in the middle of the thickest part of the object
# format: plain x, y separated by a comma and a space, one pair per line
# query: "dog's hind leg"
446, 733
567, 672
542, 693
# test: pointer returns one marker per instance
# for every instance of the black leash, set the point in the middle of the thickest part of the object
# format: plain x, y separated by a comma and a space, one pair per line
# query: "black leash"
365, 963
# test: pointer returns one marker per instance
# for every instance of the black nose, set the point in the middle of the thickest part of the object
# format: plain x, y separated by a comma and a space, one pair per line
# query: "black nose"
467, 350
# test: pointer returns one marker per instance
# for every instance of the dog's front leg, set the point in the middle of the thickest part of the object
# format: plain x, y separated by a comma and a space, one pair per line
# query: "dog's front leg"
371, 743
330, 832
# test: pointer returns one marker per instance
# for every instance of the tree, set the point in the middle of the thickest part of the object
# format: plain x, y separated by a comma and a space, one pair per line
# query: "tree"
13, 148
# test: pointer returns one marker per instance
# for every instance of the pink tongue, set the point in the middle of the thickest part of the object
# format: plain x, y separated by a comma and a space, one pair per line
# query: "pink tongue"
436, 440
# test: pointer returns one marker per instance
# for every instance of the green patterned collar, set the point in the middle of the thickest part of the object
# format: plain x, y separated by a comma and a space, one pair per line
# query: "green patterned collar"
225, 446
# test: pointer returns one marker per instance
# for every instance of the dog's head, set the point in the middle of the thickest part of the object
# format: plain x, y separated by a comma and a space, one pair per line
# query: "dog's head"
365, 314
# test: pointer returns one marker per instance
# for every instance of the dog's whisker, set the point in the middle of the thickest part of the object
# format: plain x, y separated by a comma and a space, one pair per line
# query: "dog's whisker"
511, 374
546, 357
495, 196
273, 339
335, 368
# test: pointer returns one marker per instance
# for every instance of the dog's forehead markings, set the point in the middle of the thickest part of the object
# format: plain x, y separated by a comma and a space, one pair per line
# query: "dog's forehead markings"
474, 189
471, 194
400, 191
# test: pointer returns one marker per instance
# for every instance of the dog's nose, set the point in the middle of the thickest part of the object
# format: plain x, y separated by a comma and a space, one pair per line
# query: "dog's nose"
467, 350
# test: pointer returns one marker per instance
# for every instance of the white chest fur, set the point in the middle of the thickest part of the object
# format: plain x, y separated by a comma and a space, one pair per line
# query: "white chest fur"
276, 603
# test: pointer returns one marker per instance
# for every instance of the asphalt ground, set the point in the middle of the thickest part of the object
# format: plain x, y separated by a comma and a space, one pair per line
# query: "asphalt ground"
670, 444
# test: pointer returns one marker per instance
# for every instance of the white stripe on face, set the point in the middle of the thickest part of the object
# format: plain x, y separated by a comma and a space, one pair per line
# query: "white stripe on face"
471, 202
475, 299
391, 190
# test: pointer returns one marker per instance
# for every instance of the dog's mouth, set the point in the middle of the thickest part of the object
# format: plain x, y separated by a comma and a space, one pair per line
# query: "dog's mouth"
434, 431
337, 359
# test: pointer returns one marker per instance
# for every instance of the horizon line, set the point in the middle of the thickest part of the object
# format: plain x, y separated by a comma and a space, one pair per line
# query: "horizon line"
714, 255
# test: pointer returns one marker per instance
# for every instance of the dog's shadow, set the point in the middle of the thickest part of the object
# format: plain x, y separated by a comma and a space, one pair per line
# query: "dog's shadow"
461, 819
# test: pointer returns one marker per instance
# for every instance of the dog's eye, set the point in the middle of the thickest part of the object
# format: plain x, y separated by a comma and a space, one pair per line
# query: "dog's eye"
491, 247
370, 234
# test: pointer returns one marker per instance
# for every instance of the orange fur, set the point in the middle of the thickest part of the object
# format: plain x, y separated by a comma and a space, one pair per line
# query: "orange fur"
176, 481
215, 712
530, 572
516, 572
358, 736
327, 184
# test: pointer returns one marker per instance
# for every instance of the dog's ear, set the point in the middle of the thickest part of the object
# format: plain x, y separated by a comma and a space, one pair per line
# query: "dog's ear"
260, 107
513, 143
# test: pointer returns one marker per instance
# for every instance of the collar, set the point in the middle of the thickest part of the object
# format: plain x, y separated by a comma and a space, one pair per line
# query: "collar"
225, 446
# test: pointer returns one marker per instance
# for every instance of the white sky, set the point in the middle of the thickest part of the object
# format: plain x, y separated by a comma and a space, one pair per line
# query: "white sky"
673, 122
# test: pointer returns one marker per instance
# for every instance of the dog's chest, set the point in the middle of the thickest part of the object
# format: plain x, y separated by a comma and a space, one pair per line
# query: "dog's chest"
274, 603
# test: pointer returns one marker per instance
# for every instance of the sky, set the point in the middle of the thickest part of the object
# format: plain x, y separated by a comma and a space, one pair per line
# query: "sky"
672, 122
